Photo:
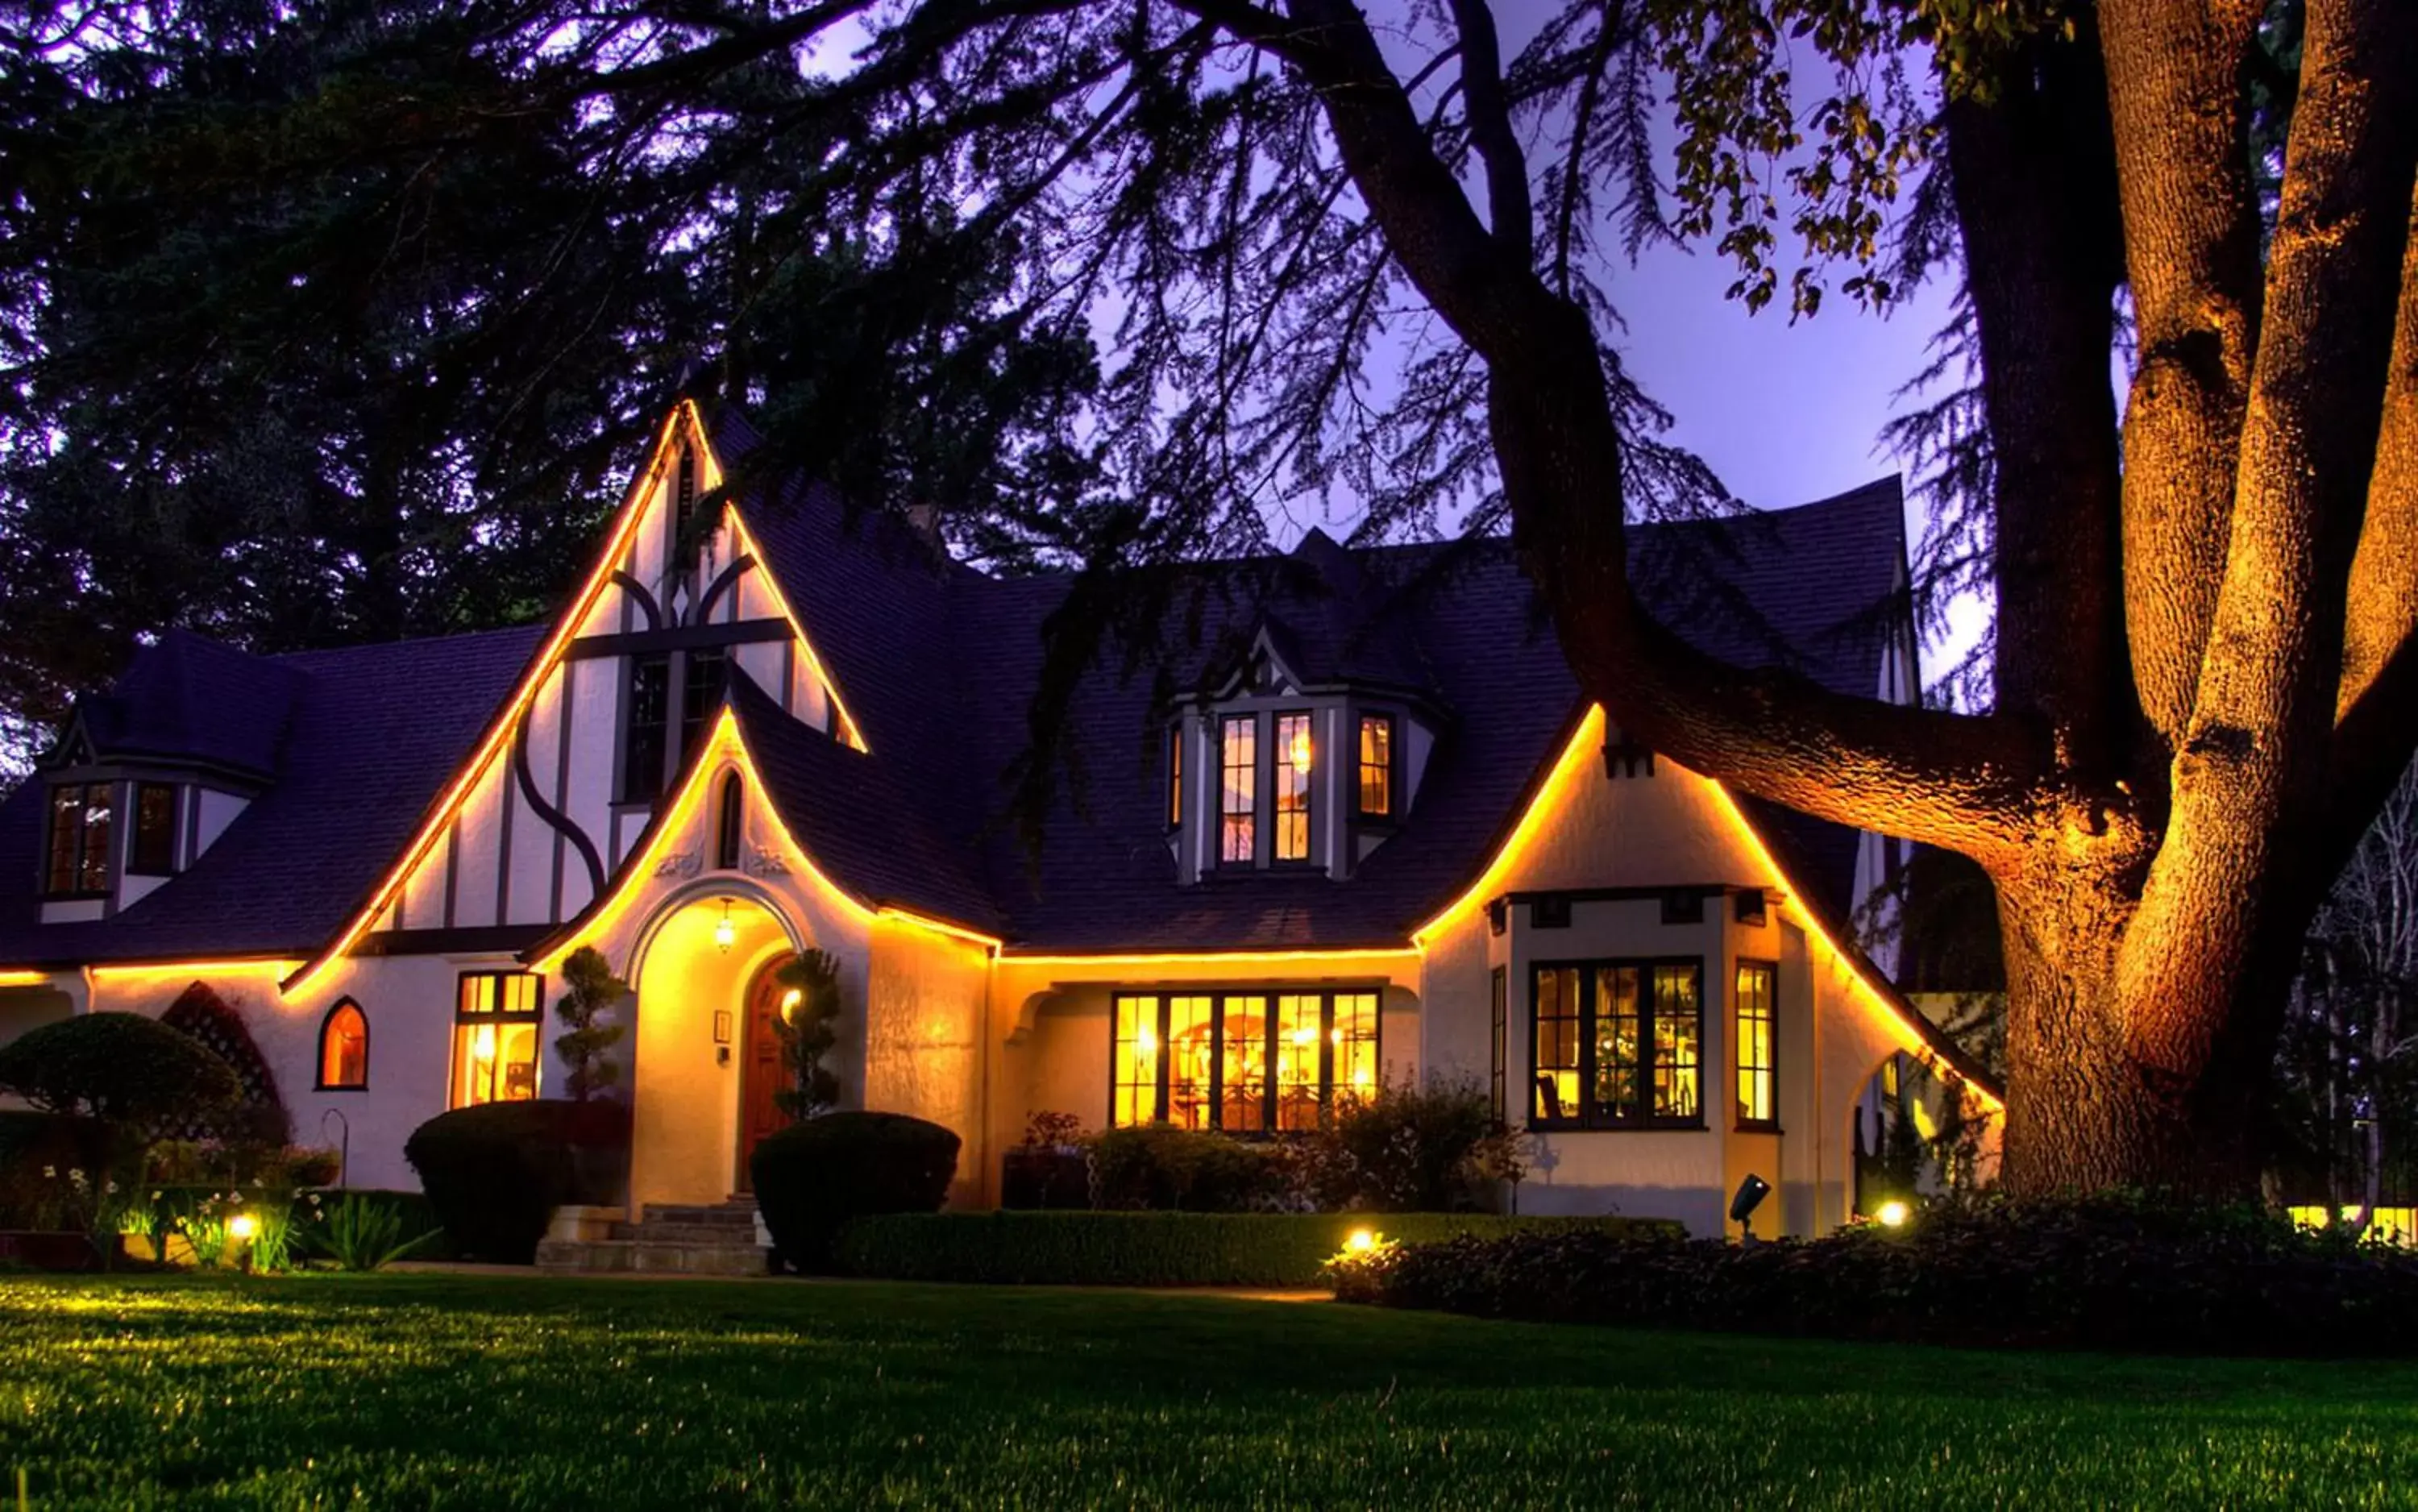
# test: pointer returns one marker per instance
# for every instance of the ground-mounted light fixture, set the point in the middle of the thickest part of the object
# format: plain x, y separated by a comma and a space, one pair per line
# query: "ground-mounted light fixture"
1893, 1214
1751, 1194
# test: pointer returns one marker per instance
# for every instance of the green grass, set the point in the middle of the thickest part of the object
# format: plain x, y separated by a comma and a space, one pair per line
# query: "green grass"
459, 1392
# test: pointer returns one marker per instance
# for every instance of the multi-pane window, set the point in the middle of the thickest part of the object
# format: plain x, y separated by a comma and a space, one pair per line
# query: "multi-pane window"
495, 1032
154, 852
1175, 776
1617, 1044
1758, 1029
701, 687
1377, 766
1238, 802
1245, 1061
1293, 760
645, 709
81, 820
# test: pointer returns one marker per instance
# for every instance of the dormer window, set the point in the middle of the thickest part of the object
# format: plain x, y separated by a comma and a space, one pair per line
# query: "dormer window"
1238, 827
82, 822
1377, 766
154, 853
1293, 756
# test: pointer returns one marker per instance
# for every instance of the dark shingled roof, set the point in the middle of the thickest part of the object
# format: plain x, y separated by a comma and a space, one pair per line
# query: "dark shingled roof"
938, 663
369, 739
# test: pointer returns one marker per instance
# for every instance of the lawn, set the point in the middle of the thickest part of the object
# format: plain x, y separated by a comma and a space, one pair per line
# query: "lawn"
439, 1391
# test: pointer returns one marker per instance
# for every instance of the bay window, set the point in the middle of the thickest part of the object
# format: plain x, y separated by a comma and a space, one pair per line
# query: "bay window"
1376, 800
1616, 1044
1247, 1061
1293, 756
1238, 808
82, 822
496, 1033
154, 853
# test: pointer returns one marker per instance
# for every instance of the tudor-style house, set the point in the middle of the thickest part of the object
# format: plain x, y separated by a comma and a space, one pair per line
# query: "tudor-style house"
1379, 835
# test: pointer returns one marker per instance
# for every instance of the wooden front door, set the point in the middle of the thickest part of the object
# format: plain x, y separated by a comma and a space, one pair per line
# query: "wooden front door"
761, 1074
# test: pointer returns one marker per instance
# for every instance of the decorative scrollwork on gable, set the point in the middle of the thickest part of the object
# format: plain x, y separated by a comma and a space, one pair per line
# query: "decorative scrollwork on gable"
684, 863
763, 861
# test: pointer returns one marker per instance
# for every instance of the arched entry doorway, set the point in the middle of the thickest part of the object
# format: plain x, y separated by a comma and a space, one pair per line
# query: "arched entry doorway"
763, 1074
696, 962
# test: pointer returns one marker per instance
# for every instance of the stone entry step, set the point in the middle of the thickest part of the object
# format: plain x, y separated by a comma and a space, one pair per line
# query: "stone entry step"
669, 1239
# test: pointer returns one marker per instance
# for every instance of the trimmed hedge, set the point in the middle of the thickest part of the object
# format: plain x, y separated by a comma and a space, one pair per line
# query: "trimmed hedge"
2109, 1272
1271, 1249
813, 1177
121, 1068
495, 1174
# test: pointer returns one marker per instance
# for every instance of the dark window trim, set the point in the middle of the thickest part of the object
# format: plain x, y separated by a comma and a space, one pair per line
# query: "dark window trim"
139, 864
645, 743
1581, 1122
1737, 1042
501, 1015
1499, 1049
1325, 992
327, 1022
1175, 776
729, 821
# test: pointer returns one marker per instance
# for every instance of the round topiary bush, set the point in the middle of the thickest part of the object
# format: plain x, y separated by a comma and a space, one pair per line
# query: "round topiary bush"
495, 1174
133, 1072
813, 1177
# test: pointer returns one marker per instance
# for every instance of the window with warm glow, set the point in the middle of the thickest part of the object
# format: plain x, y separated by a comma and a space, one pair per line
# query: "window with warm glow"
1238, 826
1616, 1043
344, 1049
81, 825
496, 1033
1293, 759
1175, 776
1377, 766
1246, 1061
1757, 1029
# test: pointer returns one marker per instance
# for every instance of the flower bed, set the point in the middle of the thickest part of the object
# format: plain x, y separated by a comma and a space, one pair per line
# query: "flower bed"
1269, 1250
2110, 1272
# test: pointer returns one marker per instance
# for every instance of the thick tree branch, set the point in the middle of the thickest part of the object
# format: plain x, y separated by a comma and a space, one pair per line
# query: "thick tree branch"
1490, 129
2254, 762
1971, 783
2192, 240
2033, 176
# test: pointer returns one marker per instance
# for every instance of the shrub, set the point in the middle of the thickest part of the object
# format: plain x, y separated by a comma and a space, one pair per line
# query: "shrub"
2114, 1270
1411, 1148
1171, 1169
813, 1177
124, 1069
1272, 1249
582, 1046
495, 1174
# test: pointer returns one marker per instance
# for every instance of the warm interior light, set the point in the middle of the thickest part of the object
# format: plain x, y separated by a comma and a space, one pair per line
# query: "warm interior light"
242, 1226
1299, 755
726, 933
1305, 1035
1893, 1214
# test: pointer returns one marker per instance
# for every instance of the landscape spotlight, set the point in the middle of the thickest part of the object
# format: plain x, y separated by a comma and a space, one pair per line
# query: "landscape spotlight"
242, 1226
1751, 1194
1893, 1214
